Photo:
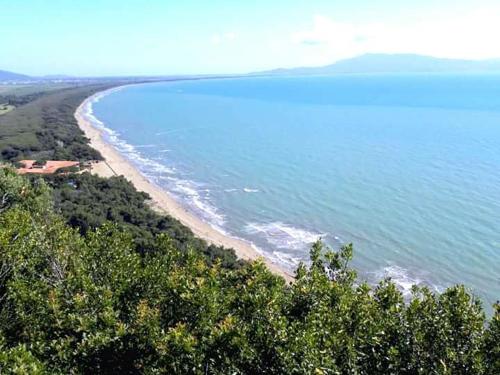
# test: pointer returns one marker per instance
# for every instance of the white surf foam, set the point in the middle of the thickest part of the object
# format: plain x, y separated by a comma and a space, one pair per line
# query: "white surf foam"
187, 191
284, 236
249, 190
146, 146
286, 259
404, 279
246, 190
190, 192
88, 110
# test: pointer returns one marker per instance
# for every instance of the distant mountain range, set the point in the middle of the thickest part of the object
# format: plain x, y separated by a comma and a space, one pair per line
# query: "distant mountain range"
10, 76
6, 76
368, 63
397, 63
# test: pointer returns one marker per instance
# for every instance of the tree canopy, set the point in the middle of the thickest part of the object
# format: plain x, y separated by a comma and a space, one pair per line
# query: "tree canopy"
87, 201
43, 126
73, 302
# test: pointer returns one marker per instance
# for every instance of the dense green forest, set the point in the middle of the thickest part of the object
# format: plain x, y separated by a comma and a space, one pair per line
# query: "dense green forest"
87, 201
19, 100
43, 126
92, 303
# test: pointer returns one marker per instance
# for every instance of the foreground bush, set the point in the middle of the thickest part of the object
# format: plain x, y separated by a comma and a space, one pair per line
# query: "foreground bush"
73, 303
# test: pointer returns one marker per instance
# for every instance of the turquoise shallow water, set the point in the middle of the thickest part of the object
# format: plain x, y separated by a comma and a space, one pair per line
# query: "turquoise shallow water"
405, 167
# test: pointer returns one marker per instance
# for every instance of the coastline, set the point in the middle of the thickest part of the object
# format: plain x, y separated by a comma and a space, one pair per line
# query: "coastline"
116, 164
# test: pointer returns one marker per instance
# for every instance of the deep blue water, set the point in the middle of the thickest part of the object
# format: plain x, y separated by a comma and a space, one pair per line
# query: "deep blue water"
405, 167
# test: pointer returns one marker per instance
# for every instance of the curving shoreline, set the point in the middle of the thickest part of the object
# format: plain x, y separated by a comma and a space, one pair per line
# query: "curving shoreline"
116, 164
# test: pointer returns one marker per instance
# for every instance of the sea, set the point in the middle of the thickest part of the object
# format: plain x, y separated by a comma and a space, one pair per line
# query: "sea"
404, 167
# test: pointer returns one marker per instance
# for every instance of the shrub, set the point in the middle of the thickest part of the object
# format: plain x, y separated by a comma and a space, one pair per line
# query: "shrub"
72, 303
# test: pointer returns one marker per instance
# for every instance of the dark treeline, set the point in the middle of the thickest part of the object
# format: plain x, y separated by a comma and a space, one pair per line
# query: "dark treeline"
43, 126
19, 100
87, 201
91, 304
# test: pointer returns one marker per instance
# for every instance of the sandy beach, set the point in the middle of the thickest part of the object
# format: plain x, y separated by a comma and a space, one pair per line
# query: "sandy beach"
116, 164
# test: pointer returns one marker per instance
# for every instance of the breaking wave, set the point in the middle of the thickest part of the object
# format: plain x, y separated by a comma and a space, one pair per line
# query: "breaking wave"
188, 192
404, 279
249, 190
284, 236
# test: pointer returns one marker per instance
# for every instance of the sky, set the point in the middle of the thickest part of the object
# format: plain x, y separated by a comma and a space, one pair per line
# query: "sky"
162, 37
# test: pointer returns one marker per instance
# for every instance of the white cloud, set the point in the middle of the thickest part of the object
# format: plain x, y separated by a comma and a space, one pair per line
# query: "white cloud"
215, 39
230, 35
219, 38
329, 40
471, 35
325, 31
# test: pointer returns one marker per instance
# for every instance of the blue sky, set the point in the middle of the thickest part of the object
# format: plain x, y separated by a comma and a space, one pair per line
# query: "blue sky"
116, 37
